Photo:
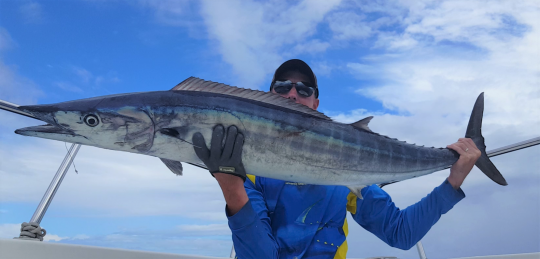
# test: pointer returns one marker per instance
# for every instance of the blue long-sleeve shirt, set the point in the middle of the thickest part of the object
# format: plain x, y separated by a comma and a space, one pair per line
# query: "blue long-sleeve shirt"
293, 220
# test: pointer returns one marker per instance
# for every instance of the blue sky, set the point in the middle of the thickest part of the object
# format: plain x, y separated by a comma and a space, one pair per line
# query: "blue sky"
416, 66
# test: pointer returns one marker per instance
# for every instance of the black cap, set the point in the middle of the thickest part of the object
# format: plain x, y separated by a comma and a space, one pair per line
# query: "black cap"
302, 67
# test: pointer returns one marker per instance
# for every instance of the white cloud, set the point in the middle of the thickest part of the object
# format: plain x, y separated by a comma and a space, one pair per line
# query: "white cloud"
32, 12
11, 84
312, 46
429, 77
6, 42
349, 26
68, 87
483, 24
204, 230
321, 68
84, 75
363, 71
51, 237
10, 230
14, 88
255, 37
80, 237
180, 231
447, 77
14, 230
82, 79
170, 12
130, 183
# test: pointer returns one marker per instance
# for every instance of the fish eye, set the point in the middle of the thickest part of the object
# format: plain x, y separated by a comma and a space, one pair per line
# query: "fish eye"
91, 120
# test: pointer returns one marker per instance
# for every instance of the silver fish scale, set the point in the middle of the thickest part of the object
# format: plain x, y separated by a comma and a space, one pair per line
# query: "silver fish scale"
280, 143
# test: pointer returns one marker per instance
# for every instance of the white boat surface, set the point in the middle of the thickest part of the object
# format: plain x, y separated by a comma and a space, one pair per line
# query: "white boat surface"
29, 249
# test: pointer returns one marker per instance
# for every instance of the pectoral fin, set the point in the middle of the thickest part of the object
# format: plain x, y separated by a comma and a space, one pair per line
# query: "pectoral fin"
174, 166
357, 190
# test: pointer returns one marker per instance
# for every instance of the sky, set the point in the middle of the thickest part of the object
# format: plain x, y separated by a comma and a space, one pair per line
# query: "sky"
416, 66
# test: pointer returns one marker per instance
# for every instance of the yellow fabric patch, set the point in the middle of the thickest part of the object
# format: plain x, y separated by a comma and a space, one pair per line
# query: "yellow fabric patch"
251, 177
351, 203
341, 252
346, 227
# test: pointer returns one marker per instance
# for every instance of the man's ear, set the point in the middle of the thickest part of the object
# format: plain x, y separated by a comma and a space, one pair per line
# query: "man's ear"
315, 104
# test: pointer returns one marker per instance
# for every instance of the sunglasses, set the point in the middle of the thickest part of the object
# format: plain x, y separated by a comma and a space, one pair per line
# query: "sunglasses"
304, 89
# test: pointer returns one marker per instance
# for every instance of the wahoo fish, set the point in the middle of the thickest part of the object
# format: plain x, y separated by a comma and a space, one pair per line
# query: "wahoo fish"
283, 140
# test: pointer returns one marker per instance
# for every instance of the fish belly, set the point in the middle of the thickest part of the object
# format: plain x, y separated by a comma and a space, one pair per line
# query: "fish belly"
291, 151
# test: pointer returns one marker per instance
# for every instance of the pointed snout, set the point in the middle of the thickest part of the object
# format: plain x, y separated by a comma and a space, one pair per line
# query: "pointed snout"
41, 112
52, 130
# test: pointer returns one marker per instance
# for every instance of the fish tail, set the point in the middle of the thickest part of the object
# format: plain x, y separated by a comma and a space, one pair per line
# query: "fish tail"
474, 132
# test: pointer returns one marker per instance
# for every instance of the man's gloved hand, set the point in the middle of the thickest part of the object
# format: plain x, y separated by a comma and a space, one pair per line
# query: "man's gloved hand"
226, 159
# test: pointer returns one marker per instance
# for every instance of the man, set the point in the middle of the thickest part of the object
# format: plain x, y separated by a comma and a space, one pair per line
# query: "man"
276, 219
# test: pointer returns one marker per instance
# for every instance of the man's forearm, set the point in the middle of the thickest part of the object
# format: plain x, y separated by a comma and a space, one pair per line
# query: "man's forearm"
403, 228
233, 191
250, 227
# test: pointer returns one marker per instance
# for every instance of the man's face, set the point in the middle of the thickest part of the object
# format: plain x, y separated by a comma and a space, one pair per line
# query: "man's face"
295, 77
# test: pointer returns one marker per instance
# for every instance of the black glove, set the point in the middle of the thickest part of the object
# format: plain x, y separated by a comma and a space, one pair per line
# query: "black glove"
226, 159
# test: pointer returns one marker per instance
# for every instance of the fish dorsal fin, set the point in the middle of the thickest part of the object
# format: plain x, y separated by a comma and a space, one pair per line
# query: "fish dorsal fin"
197, 84
363, 124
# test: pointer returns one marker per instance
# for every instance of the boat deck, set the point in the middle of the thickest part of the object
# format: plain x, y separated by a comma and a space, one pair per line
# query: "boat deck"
28, 249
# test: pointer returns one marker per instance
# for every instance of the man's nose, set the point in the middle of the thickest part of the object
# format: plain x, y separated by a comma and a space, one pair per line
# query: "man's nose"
292, 94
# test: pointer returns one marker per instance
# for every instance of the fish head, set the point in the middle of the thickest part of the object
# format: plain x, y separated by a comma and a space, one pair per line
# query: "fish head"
94, 122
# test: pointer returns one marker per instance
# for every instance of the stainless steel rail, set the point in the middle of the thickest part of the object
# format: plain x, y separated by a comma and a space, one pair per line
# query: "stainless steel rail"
10, 107
514, 147
60, 173
55, 184
421, 251
492, 153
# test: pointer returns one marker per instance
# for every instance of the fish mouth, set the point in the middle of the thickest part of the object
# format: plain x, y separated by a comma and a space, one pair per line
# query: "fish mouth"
48, 129
51, 130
